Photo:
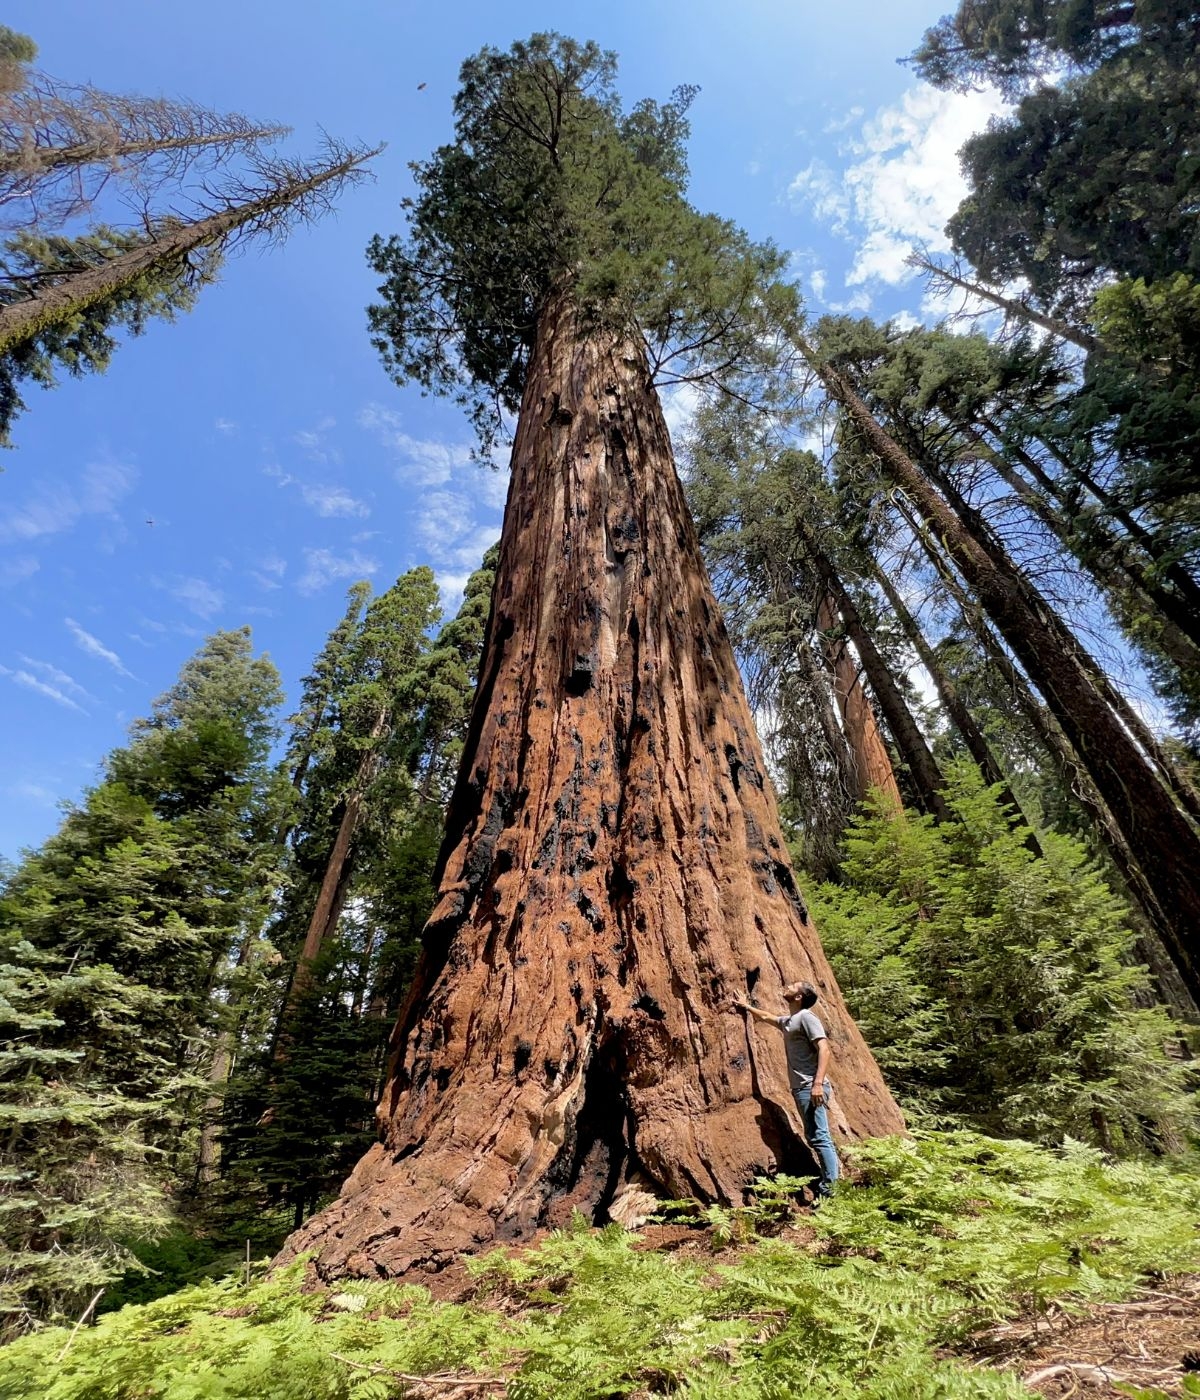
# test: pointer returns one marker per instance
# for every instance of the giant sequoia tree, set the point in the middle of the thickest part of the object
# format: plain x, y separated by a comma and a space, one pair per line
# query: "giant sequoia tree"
613, 868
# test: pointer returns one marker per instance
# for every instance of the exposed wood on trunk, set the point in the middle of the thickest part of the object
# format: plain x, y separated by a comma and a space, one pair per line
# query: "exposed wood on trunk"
1162, 840
954, 705
872, 762
914, 751
613, 871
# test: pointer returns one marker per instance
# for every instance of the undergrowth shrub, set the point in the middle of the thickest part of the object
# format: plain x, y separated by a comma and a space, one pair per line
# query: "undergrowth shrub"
998, 989
948, 1233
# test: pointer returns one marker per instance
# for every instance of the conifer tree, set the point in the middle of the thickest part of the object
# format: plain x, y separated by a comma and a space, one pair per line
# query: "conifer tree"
114, 936
61, 298
999, 984
613, 868
1146, 796
301, 1101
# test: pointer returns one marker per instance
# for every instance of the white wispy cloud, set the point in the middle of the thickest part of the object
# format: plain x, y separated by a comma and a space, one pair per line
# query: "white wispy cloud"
33, 792
226, 426
198, 596
326, 499
55, 676
93, 646
333, 501
18, 569
269, 571
902, 181
315, 441
421, 461
40, 687
54, 507
323, 566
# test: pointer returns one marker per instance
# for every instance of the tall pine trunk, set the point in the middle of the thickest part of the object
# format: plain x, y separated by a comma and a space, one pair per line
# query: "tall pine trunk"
1160, 838
914, 751
1154, 924
613, 872
955, 706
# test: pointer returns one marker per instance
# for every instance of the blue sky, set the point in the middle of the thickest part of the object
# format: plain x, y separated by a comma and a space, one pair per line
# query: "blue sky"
259, 433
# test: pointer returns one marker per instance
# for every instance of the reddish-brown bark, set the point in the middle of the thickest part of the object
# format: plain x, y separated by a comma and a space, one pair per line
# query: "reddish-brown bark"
872, 762
613, 873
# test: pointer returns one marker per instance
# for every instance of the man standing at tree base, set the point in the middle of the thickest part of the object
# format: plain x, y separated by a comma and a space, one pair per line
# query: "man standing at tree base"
807, 1048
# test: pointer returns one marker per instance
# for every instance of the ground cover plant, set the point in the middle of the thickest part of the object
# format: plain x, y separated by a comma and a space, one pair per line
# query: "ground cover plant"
876, 1296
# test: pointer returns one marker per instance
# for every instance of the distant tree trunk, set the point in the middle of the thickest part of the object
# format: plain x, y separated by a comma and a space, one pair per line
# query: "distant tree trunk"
914, 751
975, 528
58, 301
208, 1152
1162, 840
613, 871
331, 896
1177, 624
1009, 305
954, 705
1170, 570
872, 762
1155, 924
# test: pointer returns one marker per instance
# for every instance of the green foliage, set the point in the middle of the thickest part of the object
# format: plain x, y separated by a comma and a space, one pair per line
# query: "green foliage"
550, 185
112, 936
16, 48
996, 987
381, 723
1018, 44
83, 341
948, 1233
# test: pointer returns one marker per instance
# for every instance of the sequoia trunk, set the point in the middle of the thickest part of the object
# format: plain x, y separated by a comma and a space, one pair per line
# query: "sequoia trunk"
613, 872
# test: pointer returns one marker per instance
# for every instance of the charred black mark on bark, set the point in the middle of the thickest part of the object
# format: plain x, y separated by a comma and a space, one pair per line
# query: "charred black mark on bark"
589, 911
521, 1056
787, 883
651, 1007
620, 886
582, 674
735, 766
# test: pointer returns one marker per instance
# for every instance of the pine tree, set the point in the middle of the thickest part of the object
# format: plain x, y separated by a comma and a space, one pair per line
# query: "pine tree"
301, 1101
1142, 789
998, 985
115, 936
60, 298
613, 868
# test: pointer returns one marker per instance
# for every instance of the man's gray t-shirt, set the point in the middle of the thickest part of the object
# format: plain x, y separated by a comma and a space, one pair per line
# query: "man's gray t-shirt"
800, 1035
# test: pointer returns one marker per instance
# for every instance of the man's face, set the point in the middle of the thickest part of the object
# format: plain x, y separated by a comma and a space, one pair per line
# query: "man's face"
794, 994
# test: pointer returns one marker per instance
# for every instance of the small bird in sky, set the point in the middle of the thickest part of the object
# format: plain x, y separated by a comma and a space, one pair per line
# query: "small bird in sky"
149, 521
422, 86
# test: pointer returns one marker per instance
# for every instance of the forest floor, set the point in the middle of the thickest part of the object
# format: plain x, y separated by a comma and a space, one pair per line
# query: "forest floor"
957, 1268
1150, 1341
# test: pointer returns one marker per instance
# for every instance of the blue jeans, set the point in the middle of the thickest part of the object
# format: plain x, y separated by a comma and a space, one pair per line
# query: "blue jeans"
816, 1130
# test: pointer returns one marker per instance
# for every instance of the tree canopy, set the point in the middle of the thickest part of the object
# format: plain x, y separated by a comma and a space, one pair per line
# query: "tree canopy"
548, 185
